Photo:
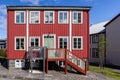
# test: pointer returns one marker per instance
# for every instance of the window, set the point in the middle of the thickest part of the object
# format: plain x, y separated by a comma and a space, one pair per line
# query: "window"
63, 42
20, 17
77, 43
48, 17
34, 41
94, 38
34, 17
95, 53
77, 17
19, 43
63, 17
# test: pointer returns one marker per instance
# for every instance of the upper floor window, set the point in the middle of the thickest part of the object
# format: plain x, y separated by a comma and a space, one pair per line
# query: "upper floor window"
63, 42
94, 38
78, 43
20, 17
63, 17
34, 17
34, 41
48, 17
95, 53
77, 17
19, 43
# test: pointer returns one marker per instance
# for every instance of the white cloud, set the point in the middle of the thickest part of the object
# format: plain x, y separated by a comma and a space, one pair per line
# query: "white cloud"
3, 9
3, 24
34, 2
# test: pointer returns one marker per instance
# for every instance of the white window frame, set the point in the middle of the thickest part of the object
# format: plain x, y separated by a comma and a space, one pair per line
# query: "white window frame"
15, 42
63, 17
62, 37
38, 40
77, 19
53, 17
15, 17
81, 43
38, 16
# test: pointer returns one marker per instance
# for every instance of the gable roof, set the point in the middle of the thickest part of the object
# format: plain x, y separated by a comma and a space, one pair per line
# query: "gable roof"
112, 20
97, 28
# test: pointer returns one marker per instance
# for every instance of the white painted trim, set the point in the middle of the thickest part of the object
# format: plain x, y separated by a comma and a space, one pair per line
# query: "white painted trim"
50, 35
81, 42
53, 17
15, 42
34, 37
38, 16
63, 37
15, 17
70, 31
63, 17
81, 16
27, 32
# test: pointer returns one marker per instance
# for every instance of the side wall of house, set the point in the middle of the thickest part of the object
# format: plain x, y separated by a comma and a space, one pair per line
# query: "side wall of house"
113, 38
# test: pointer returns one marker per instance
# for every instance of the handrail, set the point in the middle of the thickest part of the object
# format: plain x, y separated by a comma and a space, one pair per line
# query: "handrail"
75, 55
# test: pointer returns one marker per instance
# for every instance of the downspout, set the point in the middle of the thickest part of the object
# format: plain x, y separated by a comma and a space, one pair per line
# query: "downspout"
27, 32
70, 30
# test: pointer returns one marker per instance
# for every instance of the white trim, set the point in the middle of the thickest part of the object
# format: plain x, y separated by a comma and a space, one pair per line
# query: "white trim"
53, 17
81, 42
15, 42
38, 16
27, 32
81, 16
63, 37
63, 17
34, 37
70, 31
50, 35
15, 17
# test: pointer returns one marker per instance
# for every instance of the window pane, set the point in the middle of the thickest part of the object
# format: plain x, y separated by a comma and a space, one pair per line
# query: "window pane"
79, 17
36, 42
75, 17
61, 17
65, 17
22, 17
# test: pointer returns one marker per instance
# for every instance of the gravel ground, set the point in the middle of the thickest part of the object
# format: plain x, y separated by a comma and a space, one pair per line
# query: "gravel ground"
6, 74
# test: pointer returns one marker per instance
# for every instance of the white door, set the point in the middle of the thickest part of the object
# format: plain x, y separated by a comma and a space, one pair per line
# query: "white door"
49, 42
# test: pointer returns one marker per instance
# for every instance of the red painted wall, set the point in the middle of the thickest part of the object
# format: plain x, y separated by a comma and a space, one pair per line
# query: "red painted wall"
40, 29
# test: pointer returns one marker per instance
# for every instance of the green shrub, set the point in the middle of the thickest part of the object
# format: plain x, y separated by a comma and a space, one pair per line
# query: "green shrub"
3, 53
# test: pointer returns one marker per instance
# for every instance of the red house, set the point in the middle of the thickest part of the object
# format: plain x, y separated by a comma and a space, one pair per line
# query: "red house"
66, 26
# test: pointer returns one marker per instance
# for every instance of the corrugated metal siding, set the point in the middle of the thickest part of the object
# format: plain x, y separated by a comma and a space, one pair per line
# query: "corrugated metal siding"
40, 29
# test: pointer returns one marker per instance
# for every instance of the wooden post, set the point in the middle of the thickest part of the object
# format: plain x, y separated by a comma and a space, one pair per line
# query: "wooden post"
65, 61
46, 60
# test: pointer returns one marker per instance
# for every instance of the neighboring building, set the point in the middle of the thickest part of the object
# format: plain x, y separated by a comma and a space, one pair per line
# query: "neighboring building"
95, 31
56, 27
3, 43
113, 38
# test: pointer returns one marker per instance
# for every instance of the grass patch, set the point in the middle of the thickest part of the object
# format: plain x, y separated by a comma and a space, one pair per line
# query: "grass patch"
2, 57
106, 71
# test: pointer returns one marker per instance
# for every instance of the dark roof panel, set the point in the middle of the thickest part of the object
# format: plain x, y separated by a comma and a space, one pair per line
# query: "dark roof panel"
48, 7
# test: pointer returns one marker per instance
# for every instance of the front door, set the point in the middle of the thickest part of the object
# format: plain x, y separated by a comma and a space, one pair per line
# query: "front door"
49, 42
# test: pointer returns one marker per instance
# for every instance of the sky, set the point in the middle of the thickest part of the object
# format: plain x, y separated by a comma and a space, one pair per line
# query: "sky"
101, 10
